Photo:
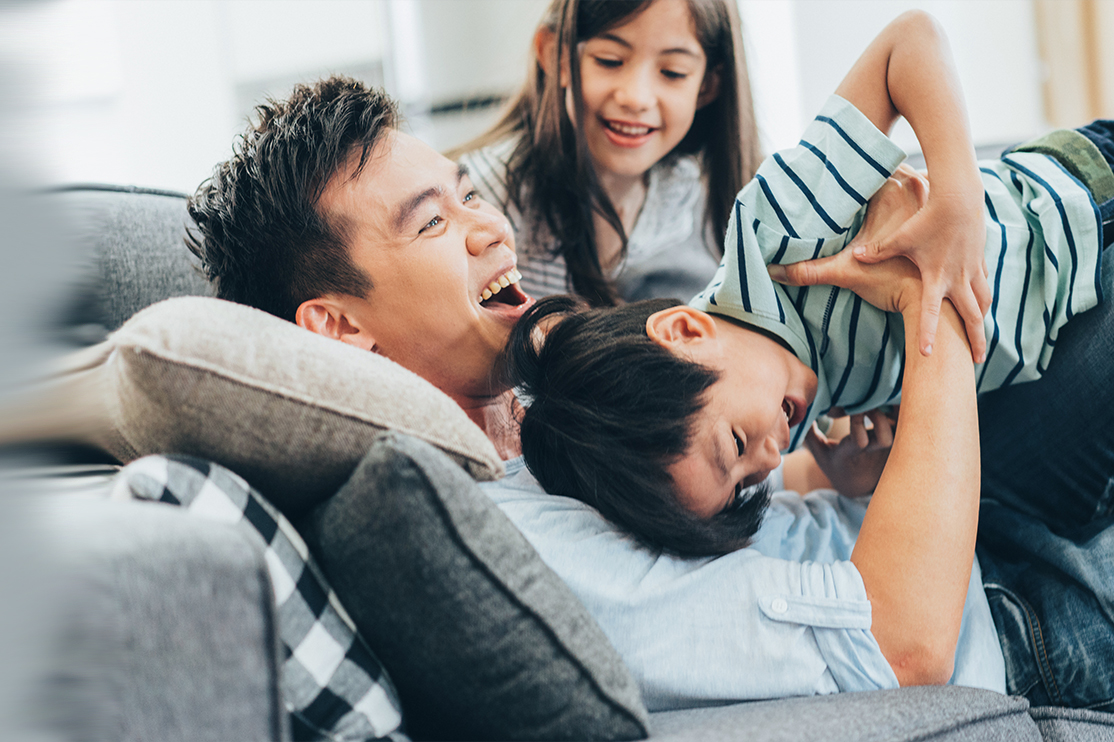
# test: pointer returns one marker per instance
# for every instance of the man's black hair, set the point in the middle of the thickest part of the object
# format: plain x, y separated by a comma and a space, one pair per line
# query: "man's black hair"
259, 235
609, 410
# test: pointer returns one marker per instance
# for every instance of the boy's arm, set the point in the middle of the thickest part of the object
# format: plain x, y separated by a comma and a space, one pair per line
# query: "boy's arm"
908, 71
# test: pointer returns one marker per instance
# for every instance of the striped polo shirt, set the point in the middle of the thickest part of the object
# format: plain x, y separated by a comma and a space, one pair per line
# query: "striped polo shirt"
1043, 249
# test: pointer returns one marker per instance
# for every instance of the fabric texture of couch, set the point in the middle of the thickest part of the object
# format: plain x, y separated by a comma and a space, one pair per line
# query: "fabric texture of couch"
169, 627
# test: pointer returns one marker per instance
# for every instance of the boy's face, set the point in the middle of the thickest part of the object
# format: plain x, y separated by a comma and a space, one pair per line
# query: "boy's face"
738, 436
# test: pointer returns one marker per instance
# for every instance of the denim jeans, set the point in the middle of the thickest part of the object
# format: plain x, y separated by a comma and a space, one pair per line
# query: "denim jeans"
1046, 525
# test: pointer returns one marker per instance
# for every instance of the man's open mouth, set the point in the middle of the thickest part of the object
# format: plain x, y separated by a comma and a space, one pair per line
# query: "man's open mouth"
794, 411
504, 290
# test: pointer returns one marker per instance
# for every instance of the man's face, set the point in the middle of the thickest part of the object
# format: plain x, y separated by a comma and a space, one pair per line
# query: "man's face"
431, 247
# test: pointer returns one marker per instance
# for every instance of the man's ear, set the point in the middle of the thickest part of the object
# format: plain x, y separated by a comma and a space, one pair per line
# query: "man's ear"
679, 328
545, 50
334, 317
709, 89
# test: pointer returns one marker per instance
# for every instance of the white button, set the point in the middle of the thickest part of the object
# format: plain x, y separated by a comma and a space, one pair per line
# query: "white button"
779, 605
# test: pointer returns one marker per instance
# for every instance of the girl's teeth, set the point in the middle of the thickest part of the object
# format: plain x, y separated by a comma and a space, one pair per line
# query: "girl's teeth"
503, 282
486, 294
632, 131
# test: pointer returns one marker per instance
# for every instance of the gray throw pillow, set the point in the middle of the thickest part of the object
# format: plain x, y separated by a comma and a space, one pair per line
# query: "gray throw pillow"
482, 640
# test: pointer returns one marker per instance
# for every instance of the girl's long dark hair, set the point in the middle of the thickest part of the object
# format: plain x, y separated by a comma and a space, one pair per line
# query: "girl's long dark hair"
550, 172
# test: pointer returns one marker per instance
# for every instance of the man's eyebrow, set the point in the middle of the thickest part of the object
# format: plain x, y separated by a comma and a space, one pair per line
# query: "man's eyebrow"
406, 210
627, 44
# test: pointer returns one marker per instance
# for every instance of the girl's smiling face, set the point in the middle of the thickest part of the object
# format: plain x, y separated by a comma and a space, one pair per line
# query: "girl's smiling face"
641, 85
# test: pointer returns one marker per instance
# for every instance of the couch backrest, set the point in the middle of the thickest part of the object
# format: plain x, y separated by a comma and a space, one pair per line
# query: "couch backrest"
131, 243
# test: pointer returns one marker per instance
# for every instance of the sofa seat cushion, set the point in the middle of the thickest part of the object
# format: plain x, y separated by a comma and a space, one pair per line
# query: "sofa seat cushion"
940, 714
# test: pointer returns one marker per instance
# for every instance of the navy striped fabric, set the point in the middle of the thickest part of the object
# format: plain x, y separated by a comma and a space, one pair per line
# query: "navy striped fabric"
1043, 246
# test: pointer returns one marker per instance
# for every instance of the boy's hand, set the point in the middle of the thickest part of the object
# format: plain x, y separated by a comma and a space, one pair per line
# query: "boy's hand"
944, 235
893, 285
854, 463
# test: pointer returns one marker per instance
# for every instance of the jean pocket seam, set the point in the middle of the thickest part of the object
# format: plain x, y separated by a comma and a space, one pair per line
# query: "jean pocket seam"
1105, 504
1036, 636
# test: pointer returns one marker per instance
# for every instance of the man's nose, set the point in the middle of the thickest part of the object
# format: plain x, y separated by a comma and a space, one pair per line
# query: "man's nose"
487, 230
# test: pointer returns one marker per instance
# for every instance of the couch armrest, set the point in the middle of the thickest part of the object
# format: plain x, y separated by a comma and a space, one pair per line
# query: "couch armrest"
163, 628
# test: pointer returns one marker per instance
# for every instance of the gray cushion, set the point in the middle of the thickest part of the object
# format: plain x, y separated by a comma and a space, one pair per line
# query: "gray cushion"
943, 714
133, 253
164, 627
333, 686
482, 640
1073, 725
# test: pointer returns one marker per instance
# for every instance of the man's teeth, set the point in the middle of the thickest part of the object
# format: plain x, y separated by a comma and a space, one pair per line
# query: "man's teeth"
500, 283
630, 131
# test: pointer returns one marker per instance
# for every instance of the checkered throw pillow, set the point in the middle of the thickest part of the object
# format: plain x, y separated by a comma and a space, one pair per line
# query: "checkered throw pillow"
332, 685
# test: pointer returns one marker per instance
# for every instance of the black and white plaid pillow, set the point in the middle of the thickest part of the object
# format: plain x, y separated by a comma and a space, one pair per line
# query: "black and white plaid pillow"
332, 685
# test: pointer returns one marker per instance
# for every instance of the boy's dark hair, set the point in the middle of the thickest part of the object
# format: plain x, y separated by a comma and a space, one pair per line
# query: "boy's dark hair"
259, 235
608, 411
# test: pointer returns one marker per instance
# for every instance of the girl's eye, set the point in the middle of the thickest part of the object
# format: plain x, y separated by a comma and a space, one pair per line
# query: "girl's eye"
740, 447
431, 224
609, 63
672, 75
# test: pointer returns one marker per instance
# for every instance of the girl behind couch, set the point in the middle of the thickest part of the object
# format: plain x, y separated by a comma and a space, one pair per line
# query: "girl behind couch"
619, 159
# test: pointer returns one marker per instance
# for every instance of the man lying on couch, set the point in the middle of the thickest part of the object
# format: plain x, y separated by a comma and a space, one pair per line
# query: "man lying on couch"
329, 217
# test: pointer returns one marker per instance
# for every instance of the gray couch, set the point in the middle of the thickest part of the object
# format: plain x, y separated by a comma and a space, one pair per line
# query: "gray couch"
163, 626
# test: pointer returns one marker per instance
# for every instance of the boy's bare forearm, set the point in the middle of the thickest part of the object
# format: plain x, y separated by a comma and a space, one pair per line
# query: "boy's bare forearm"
909, 71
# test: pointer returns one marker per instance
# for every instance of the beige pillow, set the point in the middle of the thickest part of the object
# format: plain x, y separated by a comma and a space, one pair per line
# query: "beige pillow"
291, 411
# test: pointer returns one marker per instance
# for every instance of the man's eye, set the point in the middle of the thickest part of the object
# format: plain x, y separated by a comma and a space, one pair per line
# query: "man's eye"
431, 224
740, 447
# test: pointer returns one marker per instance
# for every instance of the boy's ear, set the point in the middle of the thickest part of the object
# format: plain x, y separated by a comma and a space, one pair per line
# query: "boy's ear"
709, 88
679, 328
545, 50
335, 317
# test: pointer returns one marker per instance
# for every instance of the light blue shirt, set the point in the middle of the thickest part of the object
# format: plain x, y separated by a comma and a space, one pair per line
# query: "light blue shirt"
787, 616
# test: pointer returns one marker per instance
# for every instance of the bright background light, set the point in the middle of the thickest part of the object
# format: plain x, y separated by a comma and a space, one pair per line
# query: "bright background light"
153, 93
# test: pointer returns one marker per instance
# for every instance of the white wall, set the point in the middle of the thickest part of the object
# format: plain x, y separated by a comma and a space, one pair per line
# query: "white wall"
801, 50
153, 93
